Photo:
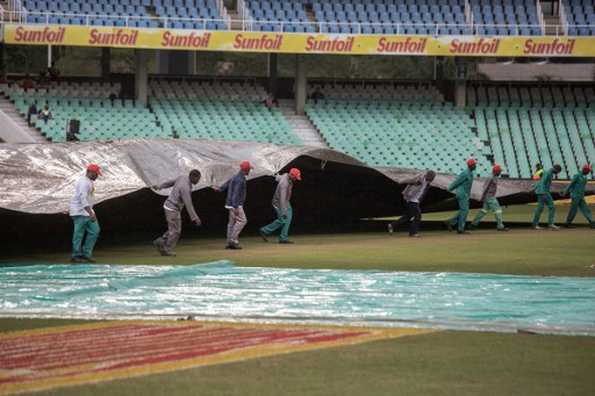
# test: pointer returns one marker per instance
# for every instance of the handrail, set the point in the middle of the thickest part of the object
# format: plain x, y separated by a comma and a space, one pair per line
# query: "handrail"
468, 13
247, 23
540, 16
563, 19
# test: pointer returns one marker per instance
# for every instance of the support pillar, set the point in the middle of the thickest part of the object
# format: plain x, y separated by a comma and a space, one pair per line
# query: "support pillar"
301, 83
106, 55
460, 83
179, 63
272, 74
49, 56
141, 75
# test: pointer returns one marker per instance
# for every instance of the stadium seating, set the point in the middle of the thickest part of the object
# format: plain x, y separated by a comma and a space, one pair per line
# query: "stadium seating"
530, 125
580, 17
506, 17
179, 14
416, 130
225, 111
267, 13
391, 16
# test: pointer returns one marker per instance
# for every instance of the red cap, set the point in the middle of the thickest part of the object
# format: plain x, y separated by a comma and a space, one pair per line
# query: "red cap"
94, 168
471, 162
245, 165
295, 172
496, 169
587, 168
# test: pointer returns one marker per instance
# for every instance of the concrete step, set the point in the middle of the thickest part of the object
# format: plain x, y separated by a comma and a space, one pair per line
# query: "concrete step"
11, 112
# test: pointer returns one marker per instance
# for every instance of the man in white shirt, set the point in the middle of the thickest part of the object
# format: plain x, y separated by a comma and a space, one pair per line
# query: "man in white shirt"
84, 218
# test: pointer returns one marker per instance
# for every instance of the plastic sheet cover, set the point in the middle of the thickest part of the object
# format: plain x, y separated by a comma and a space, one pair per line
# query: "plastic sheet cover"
222, 291
40, 178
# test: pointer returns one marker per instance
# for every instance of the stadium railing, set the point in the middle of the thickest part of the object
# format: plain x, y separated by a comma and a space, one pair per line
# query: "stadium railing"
563, 17
249, 24
540, 16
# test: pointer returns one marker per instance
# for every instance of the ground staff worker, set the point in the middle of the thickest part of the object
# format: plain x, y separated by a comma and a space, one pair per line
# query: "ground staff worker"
576, 189
234, 203
490, 202
83, 217
282, 206
544, 197
462, 185
179, 197
413, 194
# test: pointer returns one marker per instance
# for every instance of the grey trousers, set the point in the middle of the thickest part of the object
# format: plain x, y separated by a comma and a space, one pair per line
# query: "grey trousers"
174, 229
237, 222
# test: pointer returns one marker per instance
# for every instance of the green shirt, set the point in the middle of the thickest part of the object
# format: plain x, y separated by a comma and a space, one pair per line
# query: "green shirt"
576, 188
462, 184
544, 184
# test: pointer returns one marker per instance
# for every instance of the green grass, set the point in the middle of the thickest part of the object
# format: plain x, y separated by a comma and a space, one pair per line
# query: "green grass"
443, 363
515, 214
520, 251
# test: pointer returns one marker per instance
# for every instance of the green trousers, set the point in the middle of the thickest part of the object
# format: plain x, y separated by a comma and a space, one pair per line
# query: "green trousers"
460, 218
83, 225
281, 222
579, 204
490, 205
544, 199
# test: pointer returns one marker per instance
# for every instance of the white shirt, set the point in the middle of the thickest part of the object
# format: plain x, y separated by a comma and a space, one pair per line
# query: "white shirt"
83, 197
424, 185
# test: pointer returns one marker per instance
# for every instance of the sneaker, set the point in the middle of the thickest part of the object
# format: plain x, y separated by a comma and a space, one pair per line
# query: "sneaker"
553, 227
464, 232
77, 260
286, 242
448, 226
168, 254
263, 235
390, 228
233, 246
88, 260
414, 236
504, 229
471, 226
593, 224
537, 227
566, 225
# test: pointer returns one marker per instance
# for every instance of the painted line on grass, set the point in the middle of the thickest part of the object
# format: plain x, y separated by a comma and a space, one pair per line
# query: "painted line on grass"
40, 359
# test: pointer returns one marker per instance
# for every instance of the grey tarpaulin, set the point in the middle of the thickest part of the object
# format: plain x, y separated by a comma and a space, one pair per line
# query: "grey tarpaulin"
40, 178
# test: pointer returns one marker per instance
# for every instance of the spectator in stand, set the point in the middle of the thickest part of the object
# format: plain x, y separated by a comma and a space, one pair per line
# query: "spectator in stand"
54, 72
43, 78
3, 78
317, 95
27, 82
31, 112
271, 101
46, 114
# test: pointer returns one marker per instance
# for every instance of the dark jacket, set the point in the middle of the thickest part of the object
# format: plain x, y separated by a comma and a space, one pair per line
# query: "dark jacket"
236, 190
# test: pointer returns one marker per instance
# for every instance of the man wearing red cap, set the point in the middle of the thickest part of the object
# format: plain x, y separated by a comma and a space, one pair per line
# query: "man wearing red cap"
282, 206
490, 202
234, 203
462, 185
83, 217
576, 188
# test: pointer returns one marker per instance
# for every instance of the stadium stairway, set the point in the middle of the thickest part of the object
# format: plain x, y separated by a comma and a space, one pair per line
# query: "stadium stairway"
26, 133
301, 125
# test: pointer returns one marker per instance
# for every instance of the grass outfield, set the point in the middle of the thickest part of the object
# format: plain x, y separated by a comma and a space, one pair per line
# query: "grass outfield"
516, 214
442, 363
520, 251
